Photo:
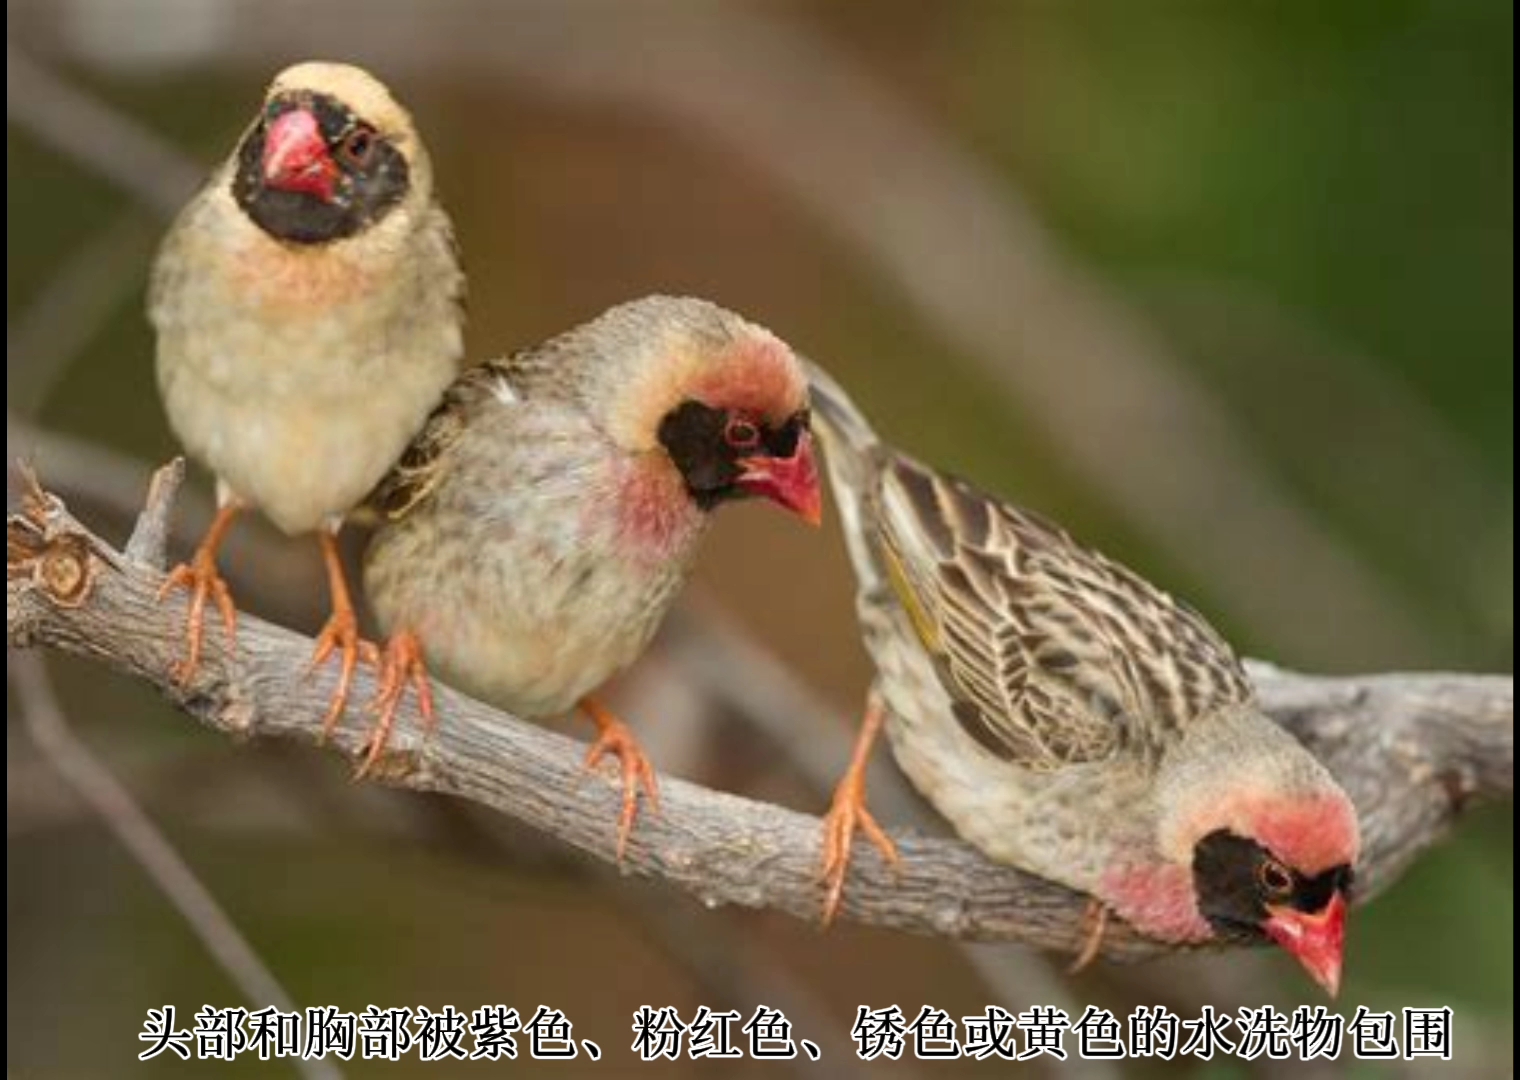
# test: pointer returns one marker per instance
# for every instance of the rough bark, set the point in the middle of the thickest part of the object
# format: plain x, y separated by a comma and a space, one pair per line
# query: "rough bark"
1412, 750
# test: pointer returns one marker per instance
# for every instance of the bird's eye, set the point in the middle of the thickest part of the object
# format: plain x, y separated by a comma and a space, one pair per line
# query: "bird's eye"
741, 434
358, 145
1275, 878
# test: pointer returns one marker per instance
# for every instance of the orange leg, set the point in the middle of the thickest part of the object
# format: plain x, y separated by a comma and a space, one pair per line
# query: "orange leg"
1097, 920
340, 633
400, 665
202, 579
615, 738
849, 812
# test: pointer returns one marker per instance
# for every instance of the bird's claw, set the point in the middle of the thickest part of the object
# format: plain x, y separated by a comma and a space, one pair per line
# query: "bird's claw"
847, 814
341, 634
400, 665
1096, 916
637, 772
202, 580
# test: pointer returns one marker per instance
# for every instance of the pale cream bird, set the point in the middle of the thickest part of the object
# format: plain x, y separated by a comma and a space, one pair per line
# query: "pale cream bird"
308, 311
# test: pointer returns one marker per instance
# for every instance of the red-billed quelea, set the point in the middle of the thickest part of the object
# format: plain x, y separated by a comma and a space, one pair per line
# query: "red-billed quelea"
1072, 720
544, 520
308, 310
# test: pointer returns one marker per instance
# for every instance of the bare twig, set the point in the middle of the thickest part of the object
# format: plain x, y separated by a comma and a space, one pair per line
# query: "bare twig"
114, 806
1412, 751
102, 477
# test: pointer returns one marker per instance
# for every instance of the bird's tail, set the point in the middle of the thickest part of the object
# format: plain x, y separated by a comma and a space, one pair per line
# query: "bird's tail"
851, 449
854, 457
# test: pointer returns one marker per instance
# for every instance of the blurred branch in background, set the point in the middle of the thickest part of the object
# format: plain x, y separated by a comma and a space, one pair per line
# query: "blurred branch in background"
108, 267
76, 302
85, 129
1411, 750
1322, 392
96, 786
959, 245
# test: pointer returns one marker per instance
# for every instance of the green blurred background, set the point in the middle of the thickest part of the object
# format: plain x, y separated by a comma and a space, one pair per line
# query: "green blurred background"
1224, 288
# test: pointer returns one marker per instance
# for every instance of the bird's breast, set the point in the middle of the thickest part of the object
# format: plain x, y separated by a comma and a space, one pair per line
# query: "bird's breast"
537, 637
517, 595
298, 378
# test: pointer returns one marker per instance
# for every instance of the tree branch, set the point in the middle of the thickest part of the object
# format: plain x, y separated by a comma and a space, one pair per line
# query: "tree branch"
1412, 750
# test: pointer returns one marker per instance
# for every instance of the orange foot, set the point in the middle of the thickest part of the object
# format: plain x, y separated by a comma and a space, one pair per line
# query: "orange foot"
1096, 918
340, 633
848, 813
401, 664
201, 577
615, 738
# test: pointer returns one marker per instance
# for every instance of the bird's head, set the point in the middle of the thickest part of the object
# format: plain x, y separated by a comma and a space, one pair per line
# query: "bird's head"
711, 400
1260, 839
1280, 868
330, 155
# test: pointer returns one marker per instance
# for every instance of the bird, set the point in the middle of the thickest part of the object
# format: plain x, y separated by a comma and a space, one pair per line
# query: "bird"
537, 530
308, 311
1072, 720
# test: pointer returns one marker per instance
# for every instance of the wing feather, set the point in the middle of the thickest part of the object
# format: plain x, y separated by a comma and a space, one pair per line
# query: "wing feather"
415, 476
1051, 653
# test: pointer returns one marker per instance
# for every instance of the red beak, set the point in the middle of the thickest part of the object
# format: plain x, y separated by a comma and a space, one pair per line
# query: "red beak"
790, 482
1317, 939
296, 157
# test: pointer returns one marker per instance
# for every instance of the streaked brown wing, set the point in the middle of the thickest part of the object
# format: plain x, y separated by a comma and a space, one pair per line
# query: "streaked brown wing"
1052, 653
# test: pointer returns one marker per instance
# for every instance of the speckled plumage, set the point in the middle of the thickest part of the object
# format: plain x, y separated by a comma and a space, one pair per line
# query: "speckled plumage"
536, 532
1064, 715
298, 372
